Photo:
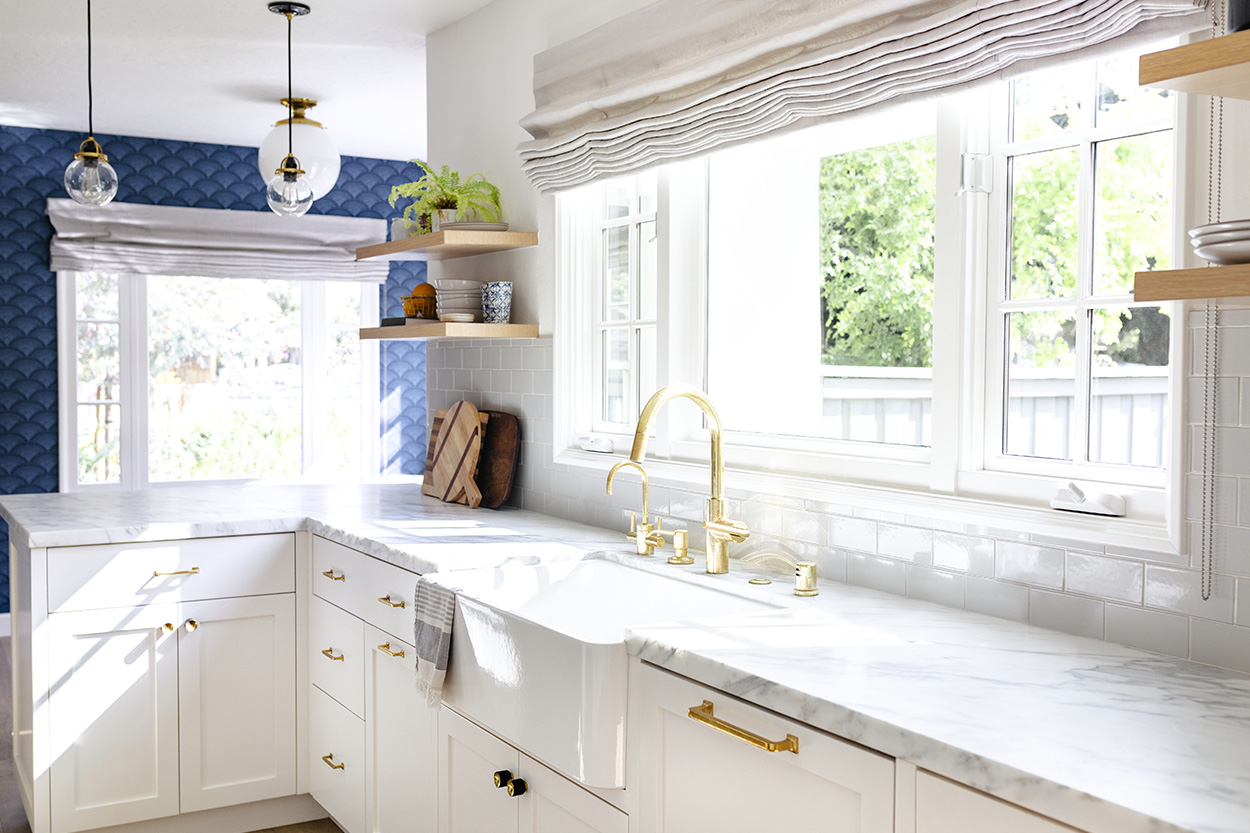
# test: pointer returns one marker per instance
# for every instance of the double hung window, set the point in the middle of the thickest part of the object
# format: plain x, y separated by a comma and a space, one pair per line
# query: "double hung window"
936, 298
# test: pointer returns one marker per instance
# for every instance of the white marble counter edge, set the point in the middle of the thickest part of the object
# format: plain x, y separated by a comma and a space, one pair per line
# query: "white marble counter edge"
401, 555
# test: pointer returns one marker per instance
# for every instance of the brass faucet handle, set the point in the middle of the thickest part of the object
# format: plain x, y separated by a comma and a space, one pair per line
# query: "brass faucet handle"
734, 531
645, 536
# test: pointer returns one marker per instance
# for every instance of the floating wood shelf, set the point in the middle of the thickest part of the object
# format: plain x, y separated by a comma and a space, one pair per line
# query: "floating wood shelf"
444, 245
442, 329
1219, 66
1186, 284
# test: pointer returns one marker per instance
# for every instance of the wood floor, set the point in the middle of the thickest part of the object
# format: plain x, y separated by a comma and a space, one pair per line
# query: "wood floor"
13, 816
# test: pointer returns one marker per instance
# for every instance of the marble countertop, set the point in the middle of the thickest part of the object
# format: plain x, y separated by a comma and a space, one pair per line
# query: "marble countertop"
391, 521
1105, 738
1102, 737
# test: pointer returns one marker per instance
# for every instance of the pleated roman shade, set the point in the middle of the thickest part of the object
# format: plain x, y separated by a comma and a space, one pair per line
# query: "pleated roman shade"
212, 243
680, 78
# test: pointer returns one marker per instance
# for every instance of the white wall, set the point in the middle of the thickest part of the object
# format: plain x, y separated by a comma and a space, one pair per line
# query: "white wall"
1150, 600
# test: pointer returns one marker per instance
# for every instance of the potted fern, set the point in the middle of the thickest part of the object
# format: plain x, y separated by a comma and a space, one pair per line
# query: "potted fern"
443, 196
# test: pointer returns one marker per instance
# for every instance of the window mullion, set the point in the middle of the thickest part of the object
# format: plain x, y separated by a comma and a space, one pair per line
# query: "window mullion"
1084, 290
133, 379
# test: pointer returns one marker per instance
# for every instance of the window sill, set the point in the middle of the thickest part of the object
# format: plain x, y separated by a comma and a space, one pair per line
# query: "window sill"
919, 508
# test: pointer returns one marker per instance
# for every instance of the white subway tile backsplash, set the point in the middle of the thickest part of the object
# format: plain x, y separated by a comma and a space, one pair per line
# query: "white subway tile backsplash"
1181, 591
1229, 317
690, 506
1231, 547
831, 565
1066, 543
1234, 351
1028, 563
936, 586
966, 553
879, 515
522, 381
1070, 614
501, 381
883, 574
1215, 643
851, 533
1106, 578
905, 542
491, 358
1149, 630
798, 524
997, 598
1241, 614
1232, 450
1229, 409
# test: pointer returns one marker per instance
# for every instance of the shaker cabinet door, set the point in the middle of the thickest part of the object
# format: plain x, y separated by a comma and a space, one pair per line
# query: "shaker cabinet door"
401, 734
468, 758
236, 677
113, 713
828, 785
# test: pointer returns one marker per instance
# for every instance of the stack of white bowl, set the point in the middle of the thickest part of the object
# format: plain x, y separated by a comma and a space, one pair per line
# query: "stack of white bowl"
459, 298
1222, 243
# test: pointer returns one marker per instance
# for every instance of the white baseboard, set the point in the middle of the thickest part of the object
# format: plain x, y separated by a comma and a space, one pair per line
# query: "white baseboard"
4, 626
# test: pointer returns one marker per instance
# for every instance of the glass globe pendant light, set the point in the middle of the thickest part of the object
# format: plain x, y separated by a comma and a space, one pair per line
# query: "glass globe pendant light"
318, 153
90, 179
289, 193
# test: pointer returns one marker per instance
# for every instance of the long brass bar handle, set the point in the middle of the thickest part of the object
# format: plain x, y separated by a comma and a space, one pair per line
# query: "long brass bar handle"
329, 652
329, 759
386, 600
192, 571
332, 577
386, 649
704, 715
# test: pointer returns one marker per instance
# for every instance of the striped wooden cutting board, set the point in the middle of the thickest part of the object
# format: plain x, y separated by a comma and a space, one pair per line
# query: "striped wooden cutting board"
451, 461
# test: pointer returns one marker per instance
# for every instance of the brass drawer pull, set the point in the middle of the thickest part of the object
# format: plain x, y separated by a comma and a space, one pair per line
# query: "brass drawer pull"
332, 577
703, 714
386, 600
386, 649
329, 652
191, 572
329, 759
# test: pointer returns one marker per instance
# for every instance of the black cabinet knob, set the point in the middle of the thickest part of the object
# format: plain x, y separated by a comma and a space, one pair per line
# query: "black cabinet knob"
517, 787
502, 777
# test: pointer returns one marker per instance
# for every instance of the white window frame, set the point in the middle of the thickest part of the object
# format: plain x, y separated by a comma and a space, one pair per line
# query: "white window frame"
133, 383
958, 480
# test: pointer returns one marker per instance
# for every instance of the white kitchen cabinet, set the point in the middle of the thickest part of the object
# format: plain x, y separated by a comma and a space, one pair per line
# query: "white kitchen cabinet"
114, 716
236, 701
171, 708
361, 662
475, 768
399, 742
698, 778
946, 807
337, 776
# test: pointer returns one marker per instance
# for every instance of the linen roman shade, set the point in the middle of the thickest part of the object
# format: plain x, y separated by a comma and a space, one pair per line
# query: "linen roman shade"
212, 243
680, 78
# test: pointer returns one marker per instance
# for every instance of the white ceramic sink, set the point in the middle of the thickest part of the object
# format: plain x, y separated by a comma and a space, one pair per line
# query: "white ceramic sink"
538, 654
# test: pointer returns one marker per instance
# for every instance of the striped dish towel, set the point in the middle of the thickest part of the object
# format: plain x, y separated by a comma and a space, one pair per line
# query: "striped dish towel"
435, 606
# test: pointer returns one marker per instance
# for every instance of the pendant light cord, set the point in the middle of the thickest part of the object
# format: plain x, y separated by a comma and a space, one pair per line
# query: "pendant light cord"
90, 97
290, 105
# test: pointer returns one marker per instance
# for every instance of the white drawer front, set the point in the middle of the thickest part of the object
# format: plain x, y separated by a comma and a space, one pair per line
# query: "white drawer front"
125, 575
337, 763
378, 592
336, 654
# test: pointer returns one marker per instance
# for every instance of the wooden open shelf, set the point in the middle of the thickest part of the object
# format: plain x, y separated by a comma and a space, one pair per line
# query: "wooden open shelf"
441, 329
1219, 66
1184, 284
444, 245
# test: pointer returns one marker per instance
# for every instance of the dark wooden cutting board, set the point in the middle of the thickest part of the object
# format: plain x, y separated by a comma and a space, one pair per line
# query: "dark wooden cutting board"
501, 448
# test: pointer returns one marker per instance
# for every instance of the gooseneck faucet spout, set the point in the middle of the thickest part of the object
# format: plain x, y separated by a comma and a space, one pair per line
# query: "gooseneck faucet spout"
720, 530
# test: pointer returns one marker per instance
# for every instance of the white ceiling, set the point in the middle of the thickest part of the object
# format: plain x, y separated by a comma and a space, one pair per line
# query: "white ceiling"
214, 70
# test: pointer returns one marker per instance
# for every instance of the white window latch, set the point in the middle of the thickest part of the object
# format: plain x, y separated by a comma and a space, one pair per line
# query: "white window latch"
1071, 498
976, 174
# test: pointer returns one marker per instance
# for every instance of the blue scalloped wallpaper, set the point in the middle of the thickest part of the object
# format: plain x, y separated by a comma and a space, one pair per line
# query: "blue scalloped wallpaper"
158, 172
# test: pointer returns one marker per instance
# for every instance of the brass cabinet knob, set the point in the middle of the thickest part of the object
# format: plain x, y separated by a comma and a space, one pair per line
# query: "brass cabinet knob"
517, 787
191, 625
168, 627
502, 777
